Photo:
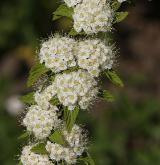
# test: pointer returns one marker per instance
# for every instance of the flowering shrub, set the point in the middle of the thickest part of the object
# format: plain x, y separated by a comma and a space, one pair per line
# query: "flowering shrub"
66, 80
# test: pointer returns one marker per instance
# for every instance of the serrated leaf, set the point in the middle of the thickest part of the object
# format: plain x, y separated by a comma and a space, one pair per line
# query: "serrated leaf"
39, 149
106, 95
28, 98
54, 101
35, 73
70, 117
23, 136
63, 11
57, 137
116, 5
120, 16
114, 78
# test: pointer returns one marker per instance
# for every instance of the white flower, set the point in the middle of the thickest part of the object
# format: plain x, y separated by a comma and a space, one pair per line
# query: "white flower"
75, 87
30, 158
94, 56
76, 141
72, 3
121, 1
40, 121
92, 16
42, 98
57, 53
58, 153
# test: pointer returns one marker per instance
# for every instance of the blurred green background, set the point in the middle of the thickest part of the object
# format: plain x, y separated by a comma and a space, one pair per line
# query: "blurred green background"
125, 132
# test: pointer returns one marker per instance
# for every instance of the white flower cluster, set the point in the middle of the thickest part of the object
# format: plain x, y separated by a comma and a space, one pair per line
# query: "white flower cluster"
92, 16
76, 141
30, 158
72, 3
72, 89
41, 121
42, 98
58, 153
76, 88
94, 56
57, 53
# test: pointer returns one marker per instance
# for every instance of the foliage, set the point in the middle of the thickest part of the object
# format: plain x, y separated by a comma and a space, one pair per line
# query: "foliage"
70, 117
114, 78
39, 148
62, 11
28, 98
57, 137
106, 95
35, 73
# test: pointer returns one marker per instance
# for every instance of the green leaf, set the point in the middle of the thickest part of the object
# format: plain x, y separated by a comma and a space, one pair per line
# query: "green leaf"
71, 69
63, 11
55, 17
108, 36
75, 33
106, 95
57, 137
114, 78
70, 117
35, 73
52, 78
20, 163
39, 149
28, 98
120, 16
116, 5
87, 160
54, 101
25, 135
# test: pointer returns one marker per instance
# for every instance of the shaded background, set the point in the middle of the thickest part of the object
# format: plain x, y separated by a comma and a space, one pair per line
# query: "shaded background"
125, 132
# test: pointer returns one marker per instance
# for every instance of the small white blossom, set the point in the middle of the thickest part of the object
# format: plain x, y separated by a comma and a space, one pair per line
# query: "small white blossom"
94, 56
92, 16
76, 88
121, 1
57, 53
43, 98
76, 141
40, 121
72, 3
30, 158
